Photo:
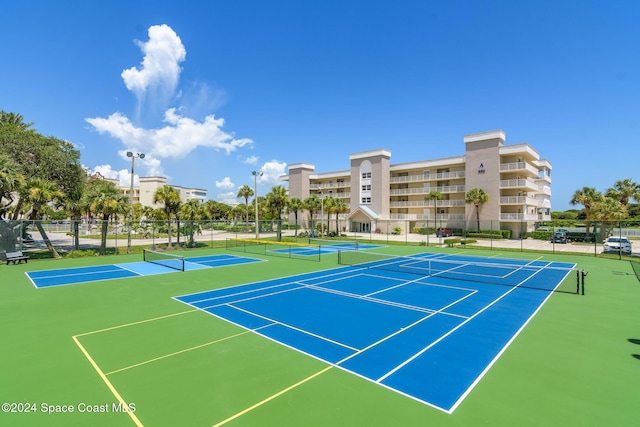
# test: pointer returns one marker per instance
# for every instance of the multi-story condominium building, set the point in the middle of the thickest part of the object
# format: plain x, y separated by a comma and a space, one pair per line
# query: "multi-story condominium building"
377, 192
144, 192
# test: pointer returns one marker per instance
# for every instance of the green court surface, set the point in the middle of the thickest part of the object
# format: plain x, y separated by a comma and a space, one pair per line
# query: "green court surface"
94, 348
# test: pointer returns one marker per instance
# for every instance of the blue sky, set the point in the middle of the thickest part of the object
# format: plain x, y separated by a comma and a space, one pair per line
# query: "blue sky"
212, 90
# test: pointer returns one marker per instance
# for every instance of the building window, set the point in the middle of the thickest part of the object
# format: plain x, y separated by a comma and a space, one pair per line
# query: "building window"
366, 175
366, 200
366, 187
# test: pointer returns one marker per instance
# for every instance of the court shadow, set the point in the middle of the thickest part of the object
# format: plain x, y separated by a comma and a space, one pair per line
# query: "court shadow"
634, 341
637, 356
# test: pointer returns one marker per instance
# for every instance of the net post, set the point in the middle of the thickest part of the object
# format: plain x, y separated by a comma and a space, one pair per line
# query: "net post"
577, 282
583, 279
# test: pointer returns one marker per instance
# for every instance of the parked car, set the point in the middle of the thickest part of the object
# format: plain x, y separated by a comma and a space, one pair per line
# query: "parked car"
617, 245
559, 237
444, 232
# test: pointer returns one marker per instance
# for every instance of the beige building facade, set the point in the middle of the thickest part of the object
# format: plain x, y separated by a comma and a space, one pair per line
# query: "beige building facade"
143, 193
515, 177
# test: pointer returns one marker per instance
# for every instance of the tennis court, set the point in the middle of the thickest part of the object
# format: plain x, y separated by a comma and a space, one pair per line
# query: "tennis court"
154, 263
428, 326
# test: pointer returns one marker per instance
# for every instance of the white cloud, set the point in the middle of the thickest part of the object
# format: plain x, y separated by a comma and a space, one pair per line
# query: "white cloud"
228, 198
181, 135
124, 175
271, 172
160, 65
225, 183
251, 160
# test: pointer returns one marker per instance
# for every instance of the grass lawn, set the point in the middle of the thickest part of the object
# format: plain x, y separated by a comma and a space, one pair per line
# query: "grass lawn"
91, 347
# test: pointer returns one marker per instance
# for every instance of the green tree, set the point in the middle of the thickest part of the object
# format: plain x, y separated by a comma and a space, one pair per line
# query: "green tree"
313, 204
294, 206
36, 195
477, 197
339, 207
609, 211
623, 190
434, 195
169, 198
245, 192
106, 200
192, 211
277, 201
587, 197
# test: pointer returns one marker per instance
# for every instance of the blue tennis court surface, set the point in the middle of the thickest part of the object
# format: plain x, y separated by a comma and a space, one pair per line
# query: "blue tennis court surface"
431, 338
70, 276
324, 249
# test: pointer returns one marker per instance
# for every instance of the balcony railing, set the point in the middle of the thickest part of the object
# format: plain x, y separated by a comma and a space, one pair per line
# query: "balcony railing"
427, 177
518, 183
427, 217
518, 200
518, 166
428, 203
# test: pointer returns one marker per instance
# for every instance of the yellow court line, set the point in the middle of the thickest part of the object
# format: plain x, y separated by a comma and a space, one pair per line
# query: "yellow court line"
138, 322
281, 392
176, 353
107, 382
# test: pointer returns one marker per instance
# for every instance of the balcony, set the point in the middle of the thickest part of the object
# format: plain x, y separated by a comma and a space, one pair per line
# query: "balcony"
426, 190
428, 203
427, 217
427, 177
518, 167
323, 185
518, 200
518, 217
518, 184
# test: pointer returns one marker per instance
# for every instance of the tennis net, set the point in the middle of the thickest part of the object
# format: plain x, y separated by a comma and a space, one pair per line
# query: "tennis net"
533, 275
347, 245
168, 260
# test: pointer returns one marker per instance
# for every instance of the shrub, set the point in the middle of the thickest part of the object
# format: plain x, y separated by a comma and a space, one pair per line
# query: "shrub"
396, 230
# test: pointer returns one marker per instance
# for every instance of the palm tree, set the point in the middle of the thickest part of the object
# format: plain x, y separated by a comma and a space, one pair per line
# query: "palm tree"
14, 119
294, 206
105, 199
339, 207
434, 195
246, 192
327, 206
623, 190
37, 194
191, 211
313, 205
11, 180
609, 210
277, 200
168, 196
477, 197
586, 196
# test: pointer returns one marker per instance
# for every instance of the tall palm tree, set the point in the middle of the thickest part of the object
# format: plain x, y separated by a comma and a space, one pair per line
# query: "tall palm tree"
168, 196
477, 197
37, 194
339, 207
192, 211
277, 200
294, 206
109, 204
245, 191
623, 190
587, 197
313, 205
434, 195
327, 205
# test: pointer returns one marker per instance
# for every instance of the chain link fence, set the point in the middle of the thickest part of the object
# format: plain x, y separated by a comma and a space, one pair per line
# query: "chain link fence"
49, 239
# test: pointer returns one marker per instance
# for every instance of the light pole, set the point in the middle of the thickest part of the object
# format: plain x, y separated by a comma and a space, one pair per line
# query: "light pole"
133, 159
256, 174
321, 214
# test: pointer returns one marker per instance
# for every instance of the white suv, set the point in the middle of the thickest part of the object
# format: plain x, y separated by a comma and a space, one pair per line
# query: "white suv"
617, 245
